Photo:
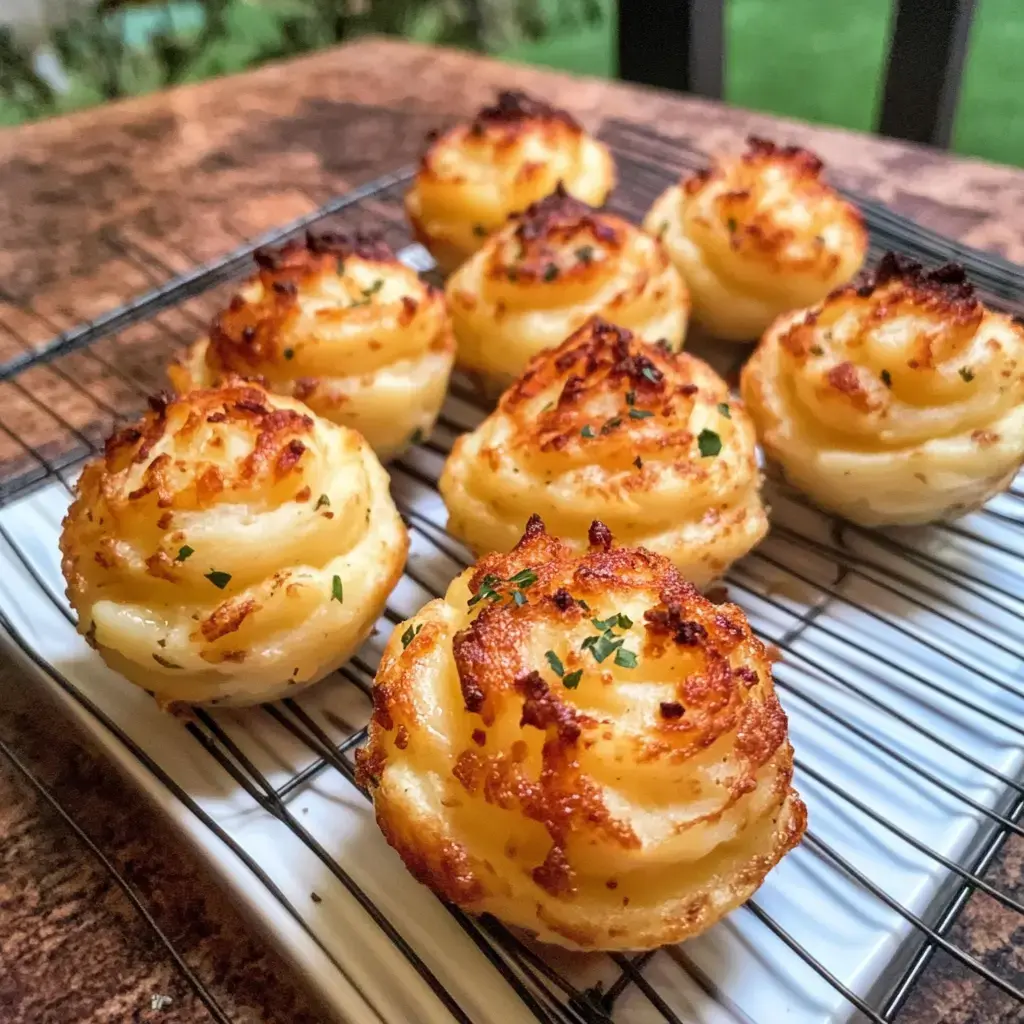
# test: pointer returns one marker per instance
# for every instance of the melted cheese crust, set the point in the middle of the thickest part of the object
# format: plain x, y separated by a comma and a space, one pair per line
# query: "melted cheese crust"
230, 547
758, 235
543, 275
473, 176
608, 427
604, 804
897, 402
339, 323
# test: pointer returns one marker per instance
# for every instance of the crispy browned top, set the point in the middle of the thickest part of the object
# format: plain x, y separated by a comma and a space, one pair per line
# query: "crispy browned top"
513, 106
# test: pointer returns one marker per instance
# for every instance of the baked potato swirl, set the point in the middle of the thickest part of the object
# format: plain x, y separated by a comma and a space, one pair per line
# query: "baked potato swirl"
511, 154
583, 746
339, 323
538, 279
757, 235
608, 427
230, 547
899, 401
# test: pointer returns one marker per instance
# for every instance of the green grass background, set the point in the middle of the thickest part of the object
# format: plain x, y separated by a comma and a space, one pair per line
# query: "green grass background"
823, 60
820, 60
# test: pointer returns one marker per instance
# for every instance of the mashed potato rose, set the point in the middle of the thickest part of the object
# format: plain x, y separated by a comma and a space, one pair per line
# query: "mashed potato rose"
897, 402
607, 427
230, 547
339, 323
758, 235
512, 154
540, 277
583, 746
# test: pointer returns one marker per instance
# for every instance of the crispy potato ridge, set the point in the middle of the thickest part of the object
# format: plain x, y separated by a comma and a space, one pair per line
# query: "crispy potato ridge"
898, 400
473, 176
757, 235
606, 426
230, 546
545, 273
339, 323
599, 800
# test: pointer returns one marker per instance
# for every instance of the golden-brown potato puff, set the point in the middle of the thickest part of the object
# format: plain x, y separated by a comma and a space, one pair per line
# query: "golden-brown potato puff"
583, 746
231, 547
339, 323
758, 235
897, 402
538, 279
473, 176
607, 427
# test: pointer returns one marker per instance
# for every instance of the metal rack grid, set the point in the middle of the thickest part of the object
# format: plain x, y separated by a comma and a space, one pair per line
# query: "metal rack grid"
109, 365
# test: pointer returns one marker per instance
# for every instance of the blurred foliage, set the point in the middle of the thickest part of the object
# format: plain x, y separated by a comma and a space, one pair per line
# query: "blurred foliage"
104, 56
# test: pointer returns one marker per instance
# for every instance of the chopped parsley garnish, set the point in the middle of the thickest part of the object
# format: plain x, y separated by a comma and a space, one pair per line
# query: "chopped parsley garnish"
651, 374
479, 230
638, 462
624, 658
486, 590
322, 502
587, 431
572, 679
731, 224
556, 663
165, 662
723, 408
410, 634
583, 604
610, 425
966, 374
603, 646
337, 590
550, 272
630, 398
640, 414
289, 353
585, 254
618, 619
374, 288
886, 378
709, 443
524, 578
547, 406
219, 579
183, 552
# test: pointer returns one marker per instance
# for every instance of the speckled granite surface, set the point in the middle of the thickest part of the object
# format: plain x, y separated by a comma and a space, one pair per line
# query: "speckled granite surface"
98, 207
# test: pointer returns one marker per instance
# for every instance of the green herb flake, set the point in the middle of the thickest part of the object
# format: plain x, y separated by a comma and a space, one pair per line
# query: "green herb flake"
417, 436
547, 407
638, 462
817, 350
583, 604
723, 408
624, 658
651, 374
605, 624
341, 265
550, 272
322, 502
556, 663
165, 662
486, 590
625, 622
219, 579
630, 398
410, 634
184, 552
604, 646
289, 353
709, 443
585, 254
610, 425
524, 578
966, 374
886, 378
374, 288
587, 431
337, 590
640, 414
731, 224
572, 679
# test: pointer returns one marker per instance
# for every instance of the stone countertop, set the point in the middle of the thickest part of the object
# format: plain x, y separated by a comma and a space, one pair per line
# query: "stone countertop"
99, 206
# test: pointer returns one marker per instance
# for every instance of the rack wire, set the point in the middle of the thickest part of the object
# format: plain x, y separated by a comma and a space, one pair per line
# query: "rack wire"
825, 592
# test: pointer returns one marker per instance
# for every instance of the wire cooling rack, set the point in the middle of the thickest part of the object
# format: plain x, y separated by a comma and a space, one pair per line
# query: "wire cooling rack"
902, 673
